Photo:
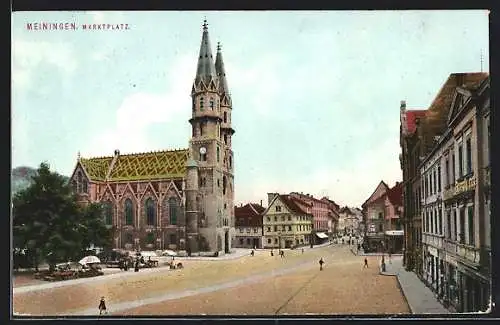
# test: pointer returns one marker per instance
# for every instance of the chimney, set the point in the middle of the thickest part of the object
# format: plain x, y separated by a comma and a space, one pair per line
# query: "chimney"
260, 202
270, 197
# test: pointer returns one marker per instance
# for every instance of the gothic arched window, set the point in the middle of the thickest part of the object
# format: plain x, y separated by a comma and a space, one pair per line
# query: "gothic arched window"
218, 154
150, 212
129, 212
172, 210
225, 117
73, 185
85, 187
212, 104
225, 138
201, 103
108, 213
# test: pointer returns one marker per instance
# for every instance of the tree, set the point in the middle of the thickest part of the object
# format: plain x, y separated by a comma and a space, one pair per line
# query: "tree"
93, 228
49, 223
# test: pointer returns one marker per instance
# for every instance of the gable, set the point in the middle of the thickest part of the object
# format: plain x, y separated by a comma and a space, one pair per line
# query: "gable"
277, 201
381, 189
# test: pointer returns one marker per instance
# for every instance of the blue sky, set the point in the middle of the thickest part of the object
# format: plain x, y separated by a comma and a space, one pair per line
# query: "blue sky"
315, 94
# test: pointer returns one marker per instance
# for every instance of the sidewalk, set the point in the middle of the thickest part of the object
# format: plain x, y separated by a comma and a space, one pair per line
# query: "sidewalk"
420, 298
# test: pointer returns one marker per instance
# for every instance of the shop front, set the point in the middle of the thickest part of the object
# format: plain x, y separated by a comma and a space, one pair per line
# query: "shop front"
394, 240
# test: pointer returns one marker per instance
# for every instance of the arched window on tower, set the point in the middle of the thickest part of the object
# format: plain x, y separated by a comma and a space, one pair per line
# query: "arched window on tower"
202, 127
150, 212
212, 104
225, 117
173, 207
230, 162
218, 154
225, 138
129, 212
224, 185
201, 103
108, 213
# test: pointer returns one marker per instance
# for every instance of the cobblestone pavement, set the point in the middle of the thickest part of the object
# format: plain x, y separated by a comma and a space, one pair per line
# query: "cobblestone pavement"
420, 298
129, 290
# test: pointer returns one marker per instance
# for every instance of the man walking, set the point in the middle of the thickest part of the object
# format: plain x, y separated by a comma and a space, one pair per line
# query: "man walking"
321, 262
102, 306
366, 263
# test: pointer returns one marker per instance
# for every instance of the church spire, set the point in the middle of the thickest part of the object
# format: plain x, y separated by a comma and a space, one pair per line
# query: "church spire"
221, 72
206, 68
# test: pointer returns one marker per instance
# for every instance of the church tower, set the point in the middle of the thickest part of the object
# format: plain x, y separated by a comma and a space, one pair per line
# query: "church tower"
210, 148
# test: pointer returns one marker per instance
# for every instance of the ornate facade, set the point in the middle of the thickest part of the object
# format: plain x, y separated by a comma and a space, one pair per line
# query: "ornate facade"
175, 199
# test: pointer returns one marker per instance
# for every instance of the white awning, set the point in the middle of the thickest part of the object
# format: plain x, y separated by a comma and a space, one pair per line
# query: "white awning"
395, 232
321, 235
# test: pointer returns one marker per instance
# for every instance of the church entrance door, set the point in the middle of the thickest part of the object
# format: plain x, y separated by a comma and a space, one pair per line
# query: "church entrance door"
226, 242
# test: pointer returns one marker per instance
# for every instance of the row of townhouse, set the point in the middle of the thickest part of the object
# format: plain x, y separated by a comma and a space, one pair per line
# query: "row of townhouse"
350, 222
447, 193
290, 220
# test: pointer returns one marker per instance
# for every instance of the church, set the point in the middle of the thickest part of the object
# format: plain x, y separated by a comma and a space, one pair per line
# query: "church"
181, 200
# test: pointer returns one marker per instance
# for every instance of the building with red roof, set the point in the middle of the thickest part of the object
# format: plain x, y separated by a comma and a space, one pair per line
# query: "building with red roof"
324, 216
287, 222
383, 210
248, 225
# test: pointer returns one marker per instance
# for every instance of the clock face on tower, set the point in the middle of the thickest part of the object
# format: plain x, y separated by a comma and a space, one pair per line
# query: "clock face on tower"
203, 150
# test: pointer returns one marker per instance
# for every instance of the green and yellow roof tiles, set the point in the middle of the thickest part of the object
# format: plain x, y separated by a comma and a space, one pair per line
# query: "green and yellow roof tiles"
97, 168
143, 166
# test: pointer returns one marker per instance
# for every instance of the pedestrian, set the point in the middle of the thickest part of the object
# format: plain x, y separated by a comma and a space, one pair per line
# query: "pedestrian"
282, 254
252, 252
342, 241
102, 306
366, 263
136, 266
321, 262
302, 251
272, 254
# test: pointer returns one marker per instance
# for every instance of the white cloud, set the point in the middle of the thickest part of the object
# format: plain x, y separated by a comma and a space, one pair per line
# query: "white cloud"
28, 55
140, 110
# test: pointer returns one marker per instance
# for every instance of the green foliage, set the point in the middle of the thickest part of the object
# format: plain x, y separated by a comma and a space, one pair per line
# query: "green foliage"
50, 225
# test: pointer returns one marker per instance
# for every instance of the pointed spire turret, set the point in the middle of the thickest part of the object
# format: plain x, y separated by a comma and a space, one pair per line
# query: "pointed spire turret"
221, 71
206, 67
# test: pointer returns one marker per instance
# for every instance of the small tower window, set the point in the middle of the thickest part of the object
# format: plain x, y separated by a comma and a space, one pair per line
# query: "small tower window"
212, 104
203, 156
225, 117
201, 103
230, 162
224, 181
218, 154
202, 127
225, 138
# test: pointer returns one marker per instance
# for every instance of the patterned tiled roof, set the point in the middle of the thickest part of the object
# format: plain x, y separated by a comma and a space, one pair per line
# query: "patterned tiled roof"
97, 168
140, 166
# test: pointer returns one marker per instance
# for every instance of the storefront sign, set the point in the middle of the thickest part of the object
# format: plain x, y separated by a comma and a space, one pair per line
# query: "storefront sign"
465, 185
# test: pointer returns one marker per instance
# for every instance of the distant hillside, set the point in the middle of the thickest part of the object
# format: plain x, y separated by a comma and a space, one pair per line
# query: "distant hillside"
21, 178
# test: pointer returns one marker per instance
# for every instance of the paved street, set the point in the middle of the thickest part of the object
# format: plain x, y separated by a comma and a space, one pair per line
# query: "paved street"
247, 285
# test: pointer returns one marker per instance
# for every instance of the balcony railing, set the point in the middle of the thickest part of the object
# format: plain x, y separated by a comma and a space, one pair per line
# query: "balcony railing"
460, 187
466, 252
433, 240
